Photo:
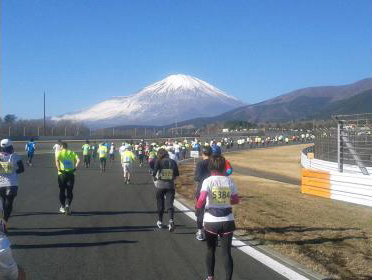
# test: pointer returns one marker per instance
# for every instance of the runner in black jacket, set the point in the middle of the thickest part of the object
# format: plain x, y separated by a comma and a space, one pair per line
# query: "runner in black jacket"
201, 172
165, 172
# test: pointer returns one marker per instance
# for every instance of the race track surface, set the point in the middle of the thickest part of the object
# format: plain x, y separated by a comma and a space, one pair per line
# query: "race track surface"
111, 233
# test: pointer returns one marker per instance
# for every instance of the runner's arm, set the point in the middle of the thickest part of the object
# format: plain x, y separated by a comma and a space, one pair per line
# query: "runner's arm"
156, 168
176, 172
77, 161
20, 166
57, 161
58, 165
234, 199
202, 200
198, 176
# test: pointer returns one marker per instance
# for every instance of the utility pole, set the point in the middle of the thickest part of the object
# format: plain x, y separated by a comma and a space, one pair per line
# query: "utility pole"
44, 117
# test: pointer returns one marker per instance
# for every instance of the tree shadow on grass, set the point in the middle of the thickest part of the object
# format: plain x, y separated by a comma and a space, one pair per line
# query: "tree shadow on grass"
257, 241
288, 229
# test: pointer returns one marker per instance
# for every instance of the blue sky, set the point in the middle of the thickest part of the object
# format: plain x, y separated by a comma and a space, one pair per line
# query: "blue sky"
84, 51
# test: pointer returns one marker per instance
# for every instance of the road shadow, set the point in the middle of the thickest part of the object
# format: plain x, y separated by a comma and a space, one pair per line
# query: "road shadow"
25, 214
71, 245
77, 230
91, 213
109, 213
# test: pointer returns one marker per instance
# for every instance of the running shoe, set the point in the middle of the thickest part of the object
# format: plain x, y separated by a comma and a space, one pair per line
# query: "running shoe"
200, 235
67, 210
171, 226
62, 210
159, 224
210, 278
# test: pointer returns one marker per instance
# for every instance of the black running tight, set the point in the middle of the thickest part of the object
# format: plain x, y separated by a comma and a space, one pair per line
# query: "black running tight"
7, 194
226, 241
66, 186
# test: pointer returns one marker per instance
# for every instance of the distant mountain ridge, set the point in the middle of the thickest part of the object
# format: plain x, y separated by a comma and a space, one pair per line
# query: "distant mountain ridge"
302, 104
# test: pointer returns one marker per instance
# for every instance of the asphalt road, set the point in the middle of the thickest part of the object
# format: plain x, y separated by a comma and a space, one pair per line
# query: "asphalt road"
111, 233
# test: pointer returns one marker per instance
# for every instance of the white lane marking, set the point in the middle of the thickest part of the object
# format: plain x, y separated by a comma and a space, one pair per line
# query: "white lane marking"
257, 255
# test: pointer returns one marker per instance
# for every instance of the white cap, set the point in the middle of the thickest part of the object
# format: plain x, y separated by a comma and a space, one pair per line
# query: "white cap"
6, 143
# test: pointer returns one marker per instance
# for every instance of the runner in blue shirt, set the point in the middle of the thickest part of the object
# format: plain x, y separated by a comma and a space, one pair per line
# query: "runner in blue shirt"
30, 149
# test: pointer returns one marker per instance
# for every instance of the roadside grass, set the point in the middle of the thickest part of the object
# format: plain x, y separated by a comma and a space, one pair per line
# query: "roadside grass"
330, 237
283, 160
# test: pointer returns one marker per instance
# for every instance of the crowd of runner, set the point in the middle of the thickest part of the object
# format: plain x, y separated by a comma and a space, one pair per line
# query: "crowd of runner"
214, 195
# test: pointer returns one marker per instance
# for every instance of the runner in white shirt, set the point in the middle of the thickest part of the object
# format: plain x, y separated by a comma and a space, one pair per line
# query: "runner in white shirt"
112, 152
218, 194
177, 150
172, 155
10, 166
9, 269
57, 147
122, 148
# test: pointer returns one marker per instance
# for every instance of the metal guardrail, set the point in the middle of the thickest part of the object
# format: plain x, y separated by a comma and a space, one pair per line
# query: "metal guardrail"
348, 144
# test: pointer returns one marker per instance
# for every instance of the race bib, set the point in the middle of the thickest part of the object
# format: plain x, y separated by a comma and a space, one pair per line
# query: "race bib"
68, 164
166, 174
126, 159
220, 195
6, 168
102, 152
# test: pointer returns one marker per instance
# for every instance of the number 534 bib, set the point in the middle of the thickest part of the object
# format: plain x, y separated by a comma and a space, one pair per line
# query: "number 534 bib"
220, 195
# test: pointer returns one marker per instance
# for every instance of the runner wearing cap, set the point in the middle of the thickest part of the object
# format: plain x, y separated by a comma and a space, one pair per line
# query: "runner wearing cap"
10, 166
218, 194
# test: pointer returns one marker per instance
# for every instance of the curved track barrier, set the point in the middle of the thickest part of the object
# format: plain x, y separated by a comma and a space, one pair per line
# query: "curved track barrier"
321, 178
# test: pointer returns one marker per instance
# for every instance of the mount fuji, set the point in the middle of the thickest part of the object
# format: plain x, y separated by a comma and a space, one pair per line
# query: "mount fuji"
175, 98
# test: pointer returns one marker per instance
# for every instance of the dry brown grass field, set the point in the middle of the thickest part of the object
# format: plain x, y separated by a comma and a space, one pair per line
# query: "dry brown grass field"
329, 237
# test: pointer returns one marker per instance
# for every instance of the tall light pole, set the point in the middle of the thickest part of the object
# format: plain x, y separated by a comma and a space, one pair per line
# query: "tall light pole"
44, 117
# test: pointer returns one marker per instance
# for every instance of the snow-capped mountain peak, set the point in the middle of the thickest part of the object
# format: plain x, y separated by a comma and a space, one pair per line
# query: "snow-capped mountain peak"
177, 97
180, 84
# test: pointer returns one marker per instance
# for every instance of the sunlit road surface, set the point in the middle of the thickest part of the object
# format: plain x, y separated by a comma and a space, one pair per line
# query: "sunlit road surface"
111, 233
